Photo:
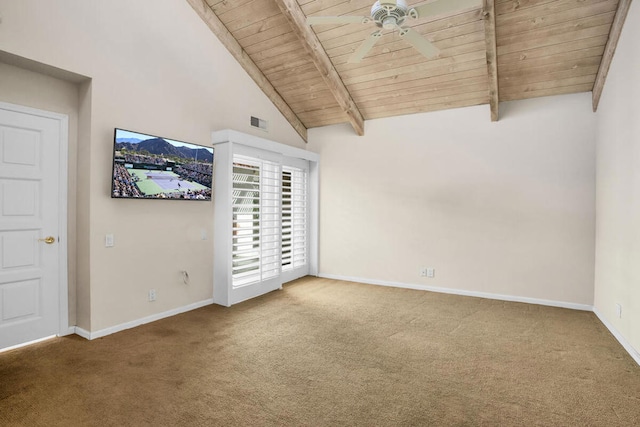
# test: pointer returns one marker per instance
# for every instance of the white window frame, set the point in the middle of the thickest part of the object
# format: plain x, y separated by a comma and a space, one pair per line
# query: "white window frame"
228, 143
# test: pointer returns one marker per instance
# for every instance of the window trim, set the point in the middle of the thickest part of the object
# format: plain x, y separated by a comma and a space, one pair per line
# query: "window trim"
227, 143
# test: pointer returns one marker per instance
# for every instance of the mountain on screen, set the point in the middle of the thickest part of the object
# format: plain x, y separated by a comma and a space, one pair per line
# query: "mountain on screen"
160, 147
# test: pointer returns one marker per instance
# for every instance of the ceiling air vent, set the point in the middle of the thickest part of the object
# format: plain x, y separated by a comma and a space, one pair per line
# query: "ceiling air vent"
259, 123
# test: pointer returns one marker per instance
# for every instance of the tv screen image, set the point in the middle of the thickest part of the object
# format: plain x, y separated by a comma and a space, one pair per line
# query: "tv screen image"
149, 167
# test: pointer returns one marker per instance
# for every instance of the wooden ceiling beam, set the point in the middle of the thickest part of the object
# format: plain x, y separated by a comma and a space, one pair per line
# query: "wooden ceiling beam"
298, 20
489, 14
218, 28
609, 51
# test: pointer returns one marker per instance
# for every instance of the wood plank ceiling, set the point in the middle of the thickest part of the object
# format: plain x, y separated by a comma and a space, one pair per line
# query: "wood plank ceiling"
501, 50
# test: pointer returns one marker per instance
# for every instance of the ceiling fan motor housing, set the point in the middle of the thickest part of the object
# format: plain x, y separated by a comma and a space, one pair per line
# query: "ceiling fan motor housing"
389, 15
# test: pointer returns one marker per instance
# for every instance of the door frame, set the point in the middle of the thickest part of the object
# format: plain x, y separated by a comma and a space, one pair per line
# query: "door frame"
63, 156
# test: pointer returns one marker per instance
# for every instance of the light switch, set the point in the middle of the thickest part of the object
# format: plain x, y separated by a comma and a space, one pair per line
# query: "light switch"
108, 240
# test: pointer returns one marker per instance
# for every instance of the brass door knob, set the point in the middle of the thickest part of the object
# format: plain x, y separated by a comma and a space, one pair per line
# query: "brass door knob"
48, 240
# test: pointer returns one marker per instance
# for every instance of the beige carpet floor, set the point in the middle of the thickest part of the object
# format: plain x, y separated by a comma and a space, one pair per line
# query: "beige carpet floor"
328, 353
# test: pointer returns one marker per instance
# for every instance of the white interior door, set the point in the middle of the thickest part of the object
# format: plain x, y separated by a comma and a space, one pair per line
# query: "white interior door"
30, 252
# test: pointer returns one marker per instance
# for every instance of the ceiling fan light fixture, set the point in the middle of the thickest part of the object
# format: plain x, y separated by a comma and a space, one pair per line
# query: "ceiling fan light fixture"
389, 23
391, 15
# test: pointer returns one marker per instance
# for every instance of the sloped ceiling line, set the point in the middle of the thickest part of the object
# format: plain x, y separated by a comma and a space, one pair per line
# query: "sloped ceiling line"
217, 27
298, 20
609, 51
501, 50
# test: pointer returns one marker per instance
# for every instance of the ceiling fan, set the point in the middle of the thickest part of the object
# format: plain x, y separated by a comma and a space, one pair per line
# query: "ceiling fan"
390, 15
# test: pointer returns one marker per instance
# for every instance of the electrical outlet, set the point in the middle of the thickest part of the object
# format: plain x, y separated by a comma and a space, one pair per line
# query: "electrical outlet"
619, 310
427, 272
152, 295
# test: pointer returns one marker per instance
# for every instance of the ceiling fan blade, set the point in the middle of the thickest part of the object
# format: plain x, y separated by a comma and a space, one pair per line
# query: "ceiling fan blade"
421, 44
321, 20
441, 7
365, 47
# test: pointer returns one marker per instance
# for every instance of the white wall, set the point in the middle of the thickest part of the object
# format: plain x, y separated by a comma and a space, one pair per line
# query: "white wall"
617, 273
155, 68
504, 208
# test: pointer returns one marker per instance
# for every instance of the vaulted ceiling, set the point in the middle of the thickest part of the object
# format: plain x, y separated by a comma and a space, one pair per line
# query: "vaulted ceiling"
491, 51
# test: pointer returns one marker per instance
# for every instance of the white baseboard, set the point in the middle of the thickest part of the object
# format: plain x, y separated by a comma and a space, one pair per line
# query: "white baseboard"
552, 303
584, 307
621, 339
132, 324
82, 332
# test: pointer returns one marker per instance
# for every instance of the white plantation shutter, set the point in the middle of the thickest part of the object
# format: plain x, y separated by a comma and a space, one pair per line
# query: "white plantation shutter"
270, 220
265, 216
286, 219
294, 218
256, 220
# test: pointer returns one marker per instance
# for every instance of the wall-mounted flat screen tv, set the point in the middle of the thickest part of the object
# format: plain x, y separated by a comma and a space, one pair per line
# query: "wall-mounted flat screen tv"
151, 167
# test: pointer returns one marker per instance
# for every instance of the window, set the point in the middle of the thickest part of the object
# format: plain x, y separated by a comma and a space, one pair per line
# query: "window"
256, 225
294, 218
265, 216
